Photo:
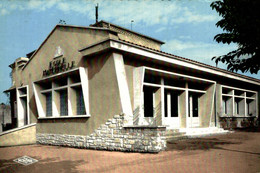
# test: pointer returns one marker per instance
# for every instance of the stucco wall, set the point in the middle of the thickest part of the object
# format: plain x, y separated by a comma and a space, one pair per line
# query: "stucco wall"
103, 90
70, 39
26, 135
206, 107
103, 97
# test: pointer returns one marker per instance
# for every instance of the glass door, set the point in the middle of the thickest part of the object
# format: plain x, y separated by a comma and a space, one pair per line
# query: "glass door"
171, 109
193, 116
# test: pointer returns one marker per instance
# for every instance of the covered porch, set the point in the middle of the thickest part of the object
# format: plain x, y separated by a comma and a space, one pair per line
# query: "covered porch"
174, 100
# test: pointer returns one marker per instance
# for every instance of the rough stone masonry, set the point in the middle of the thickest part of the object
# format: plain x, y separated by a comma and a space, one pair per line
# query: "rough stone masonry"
113, 136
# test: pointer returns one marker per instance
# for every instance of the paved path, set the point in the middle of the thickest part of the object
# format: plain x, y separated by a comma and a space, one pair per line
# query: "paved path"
238, 152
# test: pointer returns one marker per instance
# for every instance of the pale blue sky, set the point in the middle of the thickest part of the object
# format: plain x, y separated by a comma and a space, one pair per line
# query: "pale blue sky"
187, 27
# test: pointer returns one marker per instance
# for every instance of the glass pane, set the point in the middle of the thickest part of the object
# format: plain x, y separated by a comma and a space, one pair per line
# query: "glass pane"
174, 105
63, 102
80, 103
195, 106
148, 102
48, 105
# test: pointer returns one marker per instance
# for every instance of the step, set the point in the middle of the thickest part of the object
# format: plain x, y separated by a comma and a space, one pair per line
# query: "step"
205, 132
172, 130
193, 133
177, 137
175, 133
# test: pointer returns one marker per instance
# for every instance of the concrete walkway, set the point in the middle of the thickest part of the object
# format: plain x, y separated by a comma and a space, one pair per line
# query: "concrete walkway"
237, 152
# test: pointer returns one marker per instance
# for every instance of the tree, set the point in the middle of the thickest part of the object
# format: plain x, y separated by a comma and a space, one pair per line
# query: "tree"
240, 23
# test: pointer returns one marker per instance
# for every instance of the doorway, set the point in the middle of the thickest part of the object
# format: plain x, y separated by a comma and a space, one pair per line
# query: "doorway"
24, 109
193, 115
171, 109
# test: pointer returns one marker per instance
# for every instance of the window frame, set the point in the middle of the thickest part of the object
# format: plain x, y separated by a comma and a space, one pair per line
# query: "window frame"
69, 86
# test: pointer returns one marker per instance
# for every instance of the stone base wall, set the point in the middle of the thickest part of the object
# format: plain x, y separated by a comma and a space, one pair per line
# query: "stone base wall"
237, 122
113, 136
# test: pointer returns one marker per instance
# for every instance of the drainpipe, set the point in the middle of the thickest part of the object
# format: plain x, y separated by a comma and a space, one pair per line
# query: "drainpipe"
215, 107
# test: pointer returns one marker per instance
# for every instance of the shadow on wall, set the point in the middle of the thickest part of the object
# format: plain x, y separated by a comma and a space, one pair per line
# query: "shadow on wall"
47, 165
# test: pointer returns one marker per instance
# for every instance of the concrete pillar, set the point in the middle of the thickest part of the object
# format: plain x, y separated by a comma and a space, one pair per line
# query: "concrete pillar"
183, 109
123, 88
138, 75
158, 107
206, 107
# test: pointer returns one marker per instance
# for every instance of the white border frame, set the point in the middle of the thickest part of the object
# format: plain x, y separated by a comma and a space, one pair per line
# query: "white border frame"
233, 96
83, 74
19, 106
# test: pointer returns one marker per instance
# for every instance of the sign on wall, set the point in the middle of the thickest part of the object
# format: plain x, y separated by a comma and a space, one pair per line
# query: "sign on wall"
59, 64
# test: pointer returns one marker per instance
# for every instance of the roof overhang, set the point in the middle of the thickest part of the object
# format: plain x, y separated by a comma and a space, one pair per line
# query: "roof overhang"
164, 57
10, 89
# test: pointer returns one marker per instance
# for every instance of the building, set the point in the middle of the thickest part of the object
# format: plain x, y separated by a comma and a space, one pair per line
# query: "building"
5, 117
107, 87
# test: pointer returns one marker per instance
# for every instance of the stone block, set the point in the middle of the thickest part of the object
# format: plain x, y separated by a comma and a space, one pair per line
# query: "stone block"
128, 146
117, 116
109, 141
131, 142
103, 127
112, 126
118, 136
103, 132
115, 132
108, 123
109, 136
145, 142
80, 138
117, 140
154, 143
90, 141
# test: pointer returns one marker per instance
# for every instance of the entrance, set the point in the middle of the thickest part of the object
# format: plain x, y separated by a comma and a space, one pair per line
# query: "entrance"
193, 116
171, 109
24, 109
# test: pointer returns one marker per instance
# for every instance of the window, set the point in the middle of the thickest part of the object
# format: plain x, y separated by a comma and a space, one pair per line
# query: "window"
237, 107
61, 95
63, 102
171, 104
48, 104
224, 102
80, 102
248, 108
15, 109
148, 102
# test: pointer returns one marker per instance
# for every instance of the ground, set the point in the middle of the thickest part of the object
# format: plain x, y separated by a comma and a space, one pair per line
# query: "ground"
236, 152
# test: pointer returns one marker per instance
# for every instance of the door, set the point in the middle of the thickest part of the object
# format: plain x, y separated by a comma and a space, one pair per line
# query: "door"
152, 106
24, 109
171, 109
193, 116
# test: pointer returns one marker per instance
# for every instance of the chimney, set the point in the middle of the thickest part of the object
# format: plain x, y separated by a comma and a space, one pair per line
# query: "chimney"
97, 13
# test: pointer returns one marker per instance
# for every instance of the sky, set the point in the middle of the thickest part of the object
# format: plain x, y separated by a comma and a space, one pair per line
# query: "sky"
186, 26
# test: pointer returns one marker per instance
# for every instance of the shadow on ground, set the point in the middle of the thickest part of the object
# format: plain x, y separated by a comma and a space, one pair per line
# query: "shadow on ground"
47, 165
209, 143
254, 130
197, 144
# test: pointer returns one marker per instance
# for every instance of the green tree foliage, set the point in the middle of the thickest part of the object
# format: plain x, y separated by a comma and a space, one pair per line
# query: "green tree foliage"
241, 25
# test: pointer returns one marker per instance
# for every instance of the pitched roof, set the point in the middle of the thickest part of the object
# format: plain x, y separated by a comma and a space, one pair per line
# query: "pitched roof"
60, 25
147, 48
120, 27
